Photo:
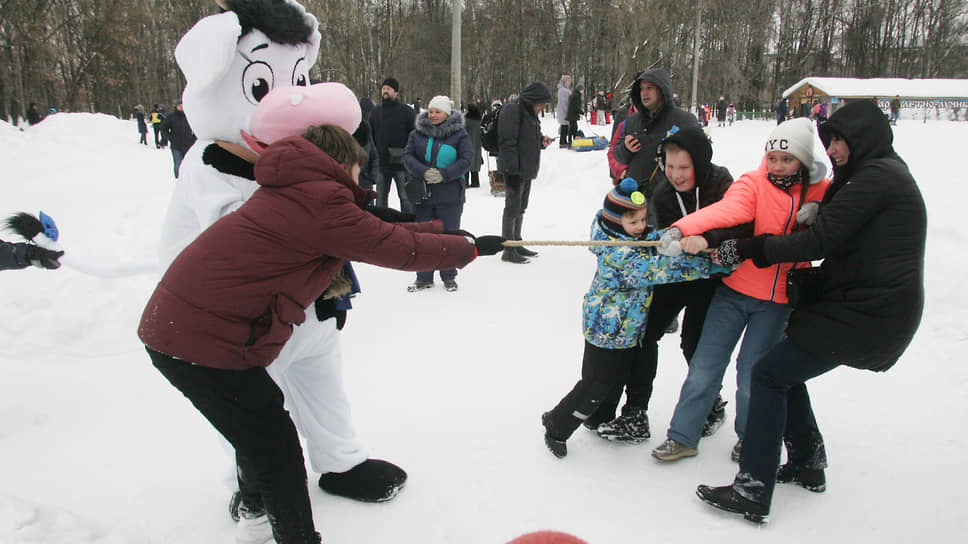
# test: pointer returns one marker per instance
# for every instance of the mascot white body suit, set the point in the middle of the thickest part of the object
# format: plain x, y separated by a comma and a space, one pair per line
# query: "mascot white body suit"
231, 61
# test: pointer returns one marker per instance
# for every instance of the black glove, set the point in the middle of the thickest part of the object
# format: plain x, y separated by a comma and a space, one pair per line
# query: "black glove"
42, 258
490, 245
736, 250
460, 232
390, 215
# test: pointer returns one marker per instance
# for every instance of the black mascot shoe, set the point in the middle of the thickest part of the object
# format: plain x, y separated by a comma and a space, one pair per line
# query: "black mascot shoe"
234, 503
726, 498
373, 480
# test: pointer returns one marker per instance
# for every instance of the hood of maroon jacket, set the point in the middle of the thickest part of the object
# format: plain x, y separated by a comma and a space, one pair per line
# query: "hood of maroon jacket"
231, 298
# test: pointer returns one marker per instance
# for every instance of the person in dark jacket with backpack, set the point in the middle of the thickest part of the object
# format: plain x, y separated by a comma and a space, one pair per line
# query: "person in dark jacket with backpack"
694, 183
651, 93
176, 130
519, 156
157, 117
870, 231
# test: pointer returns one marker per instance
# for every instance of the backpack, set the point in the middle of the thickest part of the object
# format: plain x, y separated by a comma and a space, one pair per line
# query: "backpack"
489, 140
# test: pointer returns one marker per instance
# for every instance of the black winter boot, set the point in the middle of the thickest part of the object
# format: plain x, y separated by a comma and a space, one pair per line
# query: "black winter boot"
523, 251
510, 255
716, 417
726, 498
557, 447
373, 480
811, 479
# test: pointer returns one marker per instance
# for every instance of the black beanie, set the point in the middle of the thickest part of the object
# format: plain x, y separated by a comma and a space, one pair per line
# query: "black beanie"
696, 143
392, 82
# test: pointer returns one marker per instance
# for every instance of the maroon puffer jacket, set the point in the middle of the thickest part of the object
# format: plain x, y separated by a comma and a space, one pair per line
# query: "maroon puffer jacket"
231, 298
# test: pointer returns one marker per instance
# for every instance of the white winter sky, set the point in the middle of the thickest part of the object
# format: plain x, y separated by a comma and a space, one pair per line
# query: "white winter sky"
96, 447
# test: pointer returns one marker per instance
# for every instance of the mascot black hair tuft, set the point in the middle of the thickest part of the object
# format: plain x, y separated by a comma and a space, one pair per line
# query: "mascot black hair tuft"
25, 224
280, 20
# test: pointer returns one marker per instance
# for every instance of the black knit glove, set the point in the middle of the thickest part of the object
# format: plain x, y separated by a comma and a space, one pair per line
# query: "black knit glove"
390, 215
43, 258
726, 254
734, 251
490, 245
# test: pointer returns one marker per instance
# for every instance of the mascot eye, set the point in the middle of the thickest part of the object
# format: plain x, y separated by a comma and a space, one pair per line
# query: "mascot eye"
299, 75
257, 81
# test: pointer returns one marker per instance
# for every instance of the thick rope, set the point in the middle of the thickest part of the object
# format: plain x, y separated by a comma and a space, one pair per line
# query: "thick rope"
587, 243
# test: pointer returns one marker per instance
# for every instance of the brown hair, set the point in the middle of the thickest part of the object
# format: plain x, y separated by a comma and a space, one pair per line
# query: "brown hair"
338, 144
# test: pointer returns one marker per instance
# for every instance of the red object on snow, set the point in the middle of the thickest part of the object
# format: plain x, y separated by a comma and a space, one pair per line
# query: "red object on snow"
547, 537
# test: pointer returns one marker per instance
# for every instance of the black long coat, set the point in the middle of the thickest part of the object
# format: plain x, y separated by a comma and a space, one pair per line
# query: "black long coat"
871, 233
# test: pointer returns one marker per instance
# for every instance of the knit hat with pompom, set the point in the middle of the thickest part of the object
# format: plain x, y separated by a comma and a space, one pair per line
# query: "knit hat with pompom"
625, 197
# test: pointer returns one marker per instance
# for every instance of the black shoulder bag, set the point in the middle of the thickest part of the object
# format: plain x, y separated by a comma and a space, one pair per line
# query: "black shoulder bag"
803, 285
416, 186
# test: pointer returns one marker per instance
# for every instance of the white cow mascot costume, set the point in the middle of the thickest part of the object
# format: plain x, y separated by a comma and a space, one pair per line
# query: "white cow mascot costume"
231, 61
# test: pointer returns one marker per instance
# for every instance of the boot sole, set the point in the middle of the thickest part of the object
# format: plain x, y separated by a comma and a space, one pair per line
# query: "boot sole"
623, 438
675, 457
809, 487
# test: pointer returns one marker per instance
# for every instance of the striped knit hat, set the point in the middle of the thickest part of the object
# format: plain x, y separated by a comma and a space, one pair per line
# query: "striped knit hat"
625, 197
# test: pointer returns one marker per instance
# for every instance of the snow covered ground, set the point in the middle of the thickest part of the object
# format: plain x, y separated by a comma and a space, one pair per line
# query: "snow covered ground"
96, 447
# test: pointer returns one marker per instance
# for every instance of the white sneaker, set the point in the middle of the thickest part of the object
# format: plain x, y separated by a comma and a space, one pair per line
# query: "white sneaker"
254, 530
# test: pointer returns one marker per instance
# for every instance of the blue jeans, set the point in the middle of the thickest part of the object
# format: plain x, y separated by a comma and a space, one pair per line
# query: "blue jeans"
729, 314
383, 188
780, 409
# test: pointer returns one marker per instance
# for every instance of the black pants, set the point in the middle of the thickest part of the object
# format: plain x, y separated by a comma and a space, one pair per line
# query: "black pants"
160, 140
563, 135
780, 410
667, 301
516, 194
246, 406
601, 370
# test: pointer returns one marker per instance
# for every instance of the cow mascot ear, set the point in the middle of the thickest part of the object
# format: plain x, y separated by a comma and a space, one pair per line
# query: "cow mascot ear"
205, 52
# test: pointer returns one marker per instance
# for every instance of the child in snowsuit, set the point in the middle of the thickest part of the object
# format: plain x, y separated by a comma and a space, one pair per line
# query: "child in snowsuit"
229, 302
615, 307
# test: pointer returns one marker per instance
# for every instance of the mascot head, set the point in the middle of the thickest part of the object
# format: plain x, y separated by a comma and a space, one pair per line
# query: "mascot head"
233, 59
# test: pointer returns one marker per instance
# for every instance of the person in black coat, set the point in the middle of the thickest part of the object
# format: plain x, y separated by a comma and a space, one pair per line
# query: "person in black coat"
33, 114
364, 137
472, 123
655, 116
176, 130
519, 156
575, 111
870, 231
139, 115
391, 123
694, 183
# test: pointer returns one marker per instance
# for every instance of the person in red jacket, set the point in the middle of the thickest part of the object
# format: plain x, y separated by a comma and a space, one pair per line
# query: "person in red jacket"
780, 196
229, 301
